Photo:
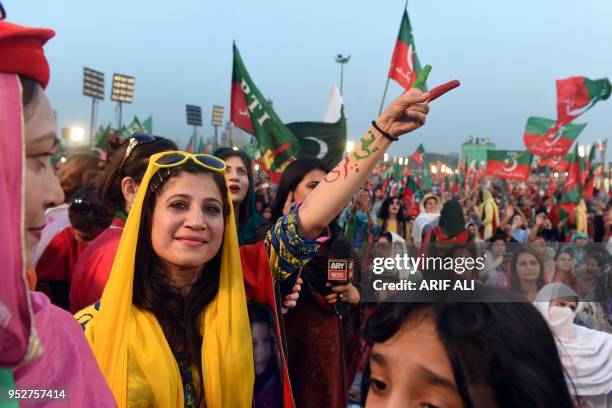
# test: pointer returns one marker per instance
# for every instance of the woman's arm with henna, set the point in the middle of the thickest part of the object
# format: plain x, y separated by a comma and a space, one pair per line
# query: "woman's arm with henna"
405, 114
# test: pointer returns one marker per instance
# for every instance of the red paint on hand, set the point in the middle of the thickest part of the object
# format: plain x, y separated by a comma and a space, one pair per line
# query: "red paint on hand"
440, 90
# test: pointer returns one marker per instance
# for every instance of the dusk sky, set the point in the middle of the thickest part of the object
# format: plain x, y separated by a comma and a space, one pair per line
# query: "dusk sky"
506, 54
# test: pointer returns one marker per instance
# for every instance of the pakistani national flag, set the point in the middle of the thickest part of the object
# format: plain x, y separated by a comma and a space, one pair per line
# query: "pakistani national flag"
419, 155
544, 137
323, 140
405, 64
509, 164
576, 95
251, 112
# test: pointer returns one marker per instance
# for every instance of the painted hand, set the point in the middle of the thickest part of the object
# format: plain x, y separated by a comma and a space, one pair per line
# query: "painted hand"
405, 114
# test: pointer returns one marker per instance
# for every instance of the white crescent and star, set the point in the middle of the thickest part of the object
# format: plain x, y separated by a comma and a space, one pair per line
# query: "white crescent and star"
322, 146
512, 167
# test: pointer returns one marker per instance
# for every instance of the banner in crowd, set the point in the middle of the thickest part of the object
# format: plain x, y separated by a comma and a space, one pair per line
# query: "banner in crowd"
251, 112
543, 137
509, 164
405, 64
576, 95
556, 163
475, 154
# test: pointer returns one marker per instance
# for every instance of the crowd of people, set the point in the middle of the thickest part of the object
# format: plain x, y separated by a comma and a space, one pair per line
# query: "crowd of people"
158, 277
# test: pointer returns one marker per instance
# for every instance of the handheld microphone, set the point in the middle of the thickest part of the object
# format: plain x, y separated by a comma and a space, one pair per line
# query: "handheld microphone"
339, 270
339, 261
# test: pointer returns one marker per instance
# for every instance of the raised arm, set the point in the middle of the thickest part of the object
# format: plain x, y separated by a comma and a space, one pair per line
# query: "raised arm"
405, 114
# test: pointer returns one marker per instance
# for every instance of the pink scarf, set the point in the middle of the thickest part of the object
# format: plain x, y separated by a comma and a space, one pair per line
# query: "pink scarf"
42, 343
17, 342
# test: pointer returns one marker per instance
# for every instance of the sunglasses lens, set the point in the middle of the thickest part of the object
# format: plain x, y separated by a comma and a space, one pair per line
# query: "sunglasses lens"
143, 137
80, 206
170, 159
210, 161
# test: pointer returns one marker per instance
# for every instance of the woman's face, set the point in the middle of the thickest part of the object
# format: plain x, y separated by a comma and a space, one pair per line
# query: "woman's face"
564, 302
188, 221
421, 379
498, 248
237, 179
394, 206
431, 205
527, 267
565, 262
593, 267
308, 183
581, 242
382, 248
42, 188
262, 346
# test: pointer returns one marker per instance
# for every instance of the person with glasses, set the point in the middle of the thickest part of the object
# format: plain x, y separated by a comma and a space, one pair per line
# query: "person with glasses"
117, 190
172, 327
41, 345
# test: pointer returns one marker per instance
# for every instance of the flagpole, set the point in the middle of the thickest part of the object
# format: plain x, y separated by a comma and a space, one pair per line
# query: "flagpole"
384, 96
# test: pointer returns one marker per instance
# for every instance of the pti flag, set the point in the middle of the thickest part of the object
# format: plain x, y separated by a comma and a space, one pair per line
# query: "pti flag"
508, 164
556, 163
404, 63
576, 95
251, 112
544, 137
419, 155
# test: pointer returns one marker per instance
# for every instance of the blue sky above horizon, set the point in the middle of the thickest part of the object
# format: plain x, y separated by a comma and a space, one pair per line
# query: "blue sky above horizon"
507, 56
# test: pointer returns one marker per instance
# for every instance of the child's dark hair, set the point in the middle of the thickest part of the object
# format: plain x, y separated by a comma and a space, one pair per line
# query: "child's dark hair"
500, 342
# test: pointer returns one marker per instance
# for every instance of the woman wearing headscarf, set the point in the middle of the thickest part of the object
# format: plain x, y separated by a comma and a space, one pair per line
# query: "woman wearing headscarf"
429, 213
241, 185
40, 344
118, 186
586, 354
172, 327
488, 213
451, 226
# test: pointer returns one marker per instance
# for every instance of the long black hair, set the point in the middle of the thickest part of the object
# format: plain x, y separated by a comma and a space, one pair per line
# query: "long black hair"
292, 176
499, 342
246, 206
178, 316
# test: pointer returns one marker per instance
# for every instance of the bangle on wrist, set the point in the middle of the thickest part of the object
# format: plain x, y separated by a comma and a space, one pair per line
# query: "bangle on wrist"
385, 134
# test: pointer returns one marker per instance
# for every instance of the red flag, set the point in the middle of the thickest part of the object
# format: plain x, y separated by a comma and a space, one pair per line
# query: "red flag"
404, 63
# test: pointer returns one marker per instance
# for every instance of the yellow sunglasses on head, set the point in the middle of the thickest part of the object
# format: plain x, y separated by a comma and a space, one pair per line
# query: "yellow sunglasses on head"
177, 158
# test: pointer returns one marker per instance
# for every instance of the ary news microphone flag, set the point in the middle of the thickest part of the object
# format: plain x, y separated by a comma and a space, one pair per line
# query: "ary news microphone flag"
339, 261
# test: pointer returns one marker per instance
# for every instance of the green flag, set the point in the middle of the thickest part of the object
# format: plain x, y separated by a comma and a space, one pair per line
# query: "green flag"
251, 112
102, 136
325, 141
544, 137
147, 125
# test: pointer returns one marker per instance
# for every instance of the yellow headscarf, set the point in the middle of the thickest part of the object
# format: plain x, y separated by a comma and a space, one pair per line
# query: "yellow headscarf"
227, 351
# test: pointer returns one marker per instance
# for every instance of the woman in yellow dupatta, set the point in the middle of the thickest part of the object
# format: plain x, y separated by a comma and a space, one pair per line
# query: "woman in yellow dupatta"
181, 234
174, 246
